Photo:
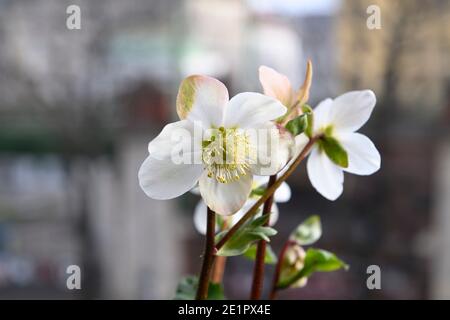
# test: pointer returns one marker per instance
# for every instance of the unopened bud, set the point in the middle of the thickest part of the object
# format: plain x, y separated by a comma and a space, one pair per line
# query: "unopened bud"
292, 263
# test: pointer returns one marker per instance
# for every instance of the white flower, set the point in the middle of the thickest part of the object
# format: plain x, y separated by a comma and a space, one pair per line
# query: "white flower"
217, 137
340, 118
282, 194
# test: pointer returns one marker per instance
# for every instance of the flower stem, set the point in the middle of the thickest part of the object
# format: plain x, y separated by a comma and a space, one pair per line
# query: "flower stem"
220, 261
208, 257
276, 275
269, 192
258, 271
218, 269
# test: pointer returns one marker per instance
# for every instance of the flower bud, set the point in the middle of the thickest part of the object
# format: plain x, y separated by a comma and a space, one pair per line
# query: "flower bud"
292, 263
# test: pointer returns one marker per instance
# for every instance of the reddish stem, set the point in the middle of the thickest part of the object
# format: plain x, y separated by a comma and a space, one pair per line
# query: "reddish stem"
276, 275
258, 271
208, 257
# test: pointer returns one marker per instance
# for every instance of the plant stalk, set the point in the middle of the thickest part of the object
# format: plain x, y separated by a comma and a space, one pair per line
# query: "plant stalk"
276, 275
208, 257
258, 271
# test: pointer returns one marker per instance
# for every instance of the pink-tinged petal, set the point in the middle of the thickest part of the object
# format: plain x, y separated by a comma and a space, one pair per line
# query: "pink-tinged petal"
363, 157
202, 98
351, 110
276, 85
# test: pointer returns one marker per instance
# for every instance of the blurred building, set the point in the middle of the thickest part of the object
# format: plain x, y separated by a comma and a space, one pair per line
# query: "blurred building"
406, 63
78, 107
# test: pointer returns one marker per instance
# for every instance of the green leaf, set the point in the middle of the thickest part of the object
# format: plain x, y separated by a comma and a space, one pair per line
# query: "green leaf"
308, 232
334, 151
187, 289
316, 260
298, 125
259, 191
249, 233
310, 117
269, 258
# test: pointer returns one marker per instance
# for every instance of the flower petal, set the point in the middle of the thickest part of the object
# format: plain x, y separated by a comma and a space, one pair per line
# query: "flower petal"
200, 213
300, 143
162, 179
352, 109
363, 156
250, 109
283, 193
325, 176
178, 139
276, 85
322, 115
202, 98
195, 191
225, 198
273, 145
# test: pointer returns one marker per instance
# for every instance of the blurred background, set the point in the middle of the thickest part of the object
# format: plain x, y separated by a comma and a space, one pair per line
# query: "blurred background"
78, 108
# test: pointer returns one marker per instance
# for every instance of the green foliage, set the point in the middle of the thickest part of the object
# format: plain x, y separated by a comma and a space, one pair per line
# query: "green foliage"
334, 151
245, 236
298, 125
187, 289
316, 260
269, 258
310, 119
308, 232
259, 191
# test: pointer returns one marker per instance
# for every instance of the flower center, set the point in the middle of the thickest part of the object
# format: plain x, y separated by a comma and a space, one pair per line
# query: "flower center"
227, 154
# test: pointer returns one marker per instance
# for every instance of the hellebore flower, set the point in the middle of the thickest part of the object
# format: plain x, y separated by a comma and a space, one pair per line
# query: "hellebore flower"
338, 120
282, 194
219, 143
278, 86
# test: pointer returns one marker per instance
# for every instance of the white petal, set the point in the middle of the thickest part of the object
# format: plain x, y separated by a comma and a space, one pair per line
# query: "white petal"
250, 109
283, 193
273, 146
259, 181
225, 198
162, 179
195, 191
300, 143
325, 176
322, 115
363, 156
352, 109
274, 215
179, 141
203, 99
200, 213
